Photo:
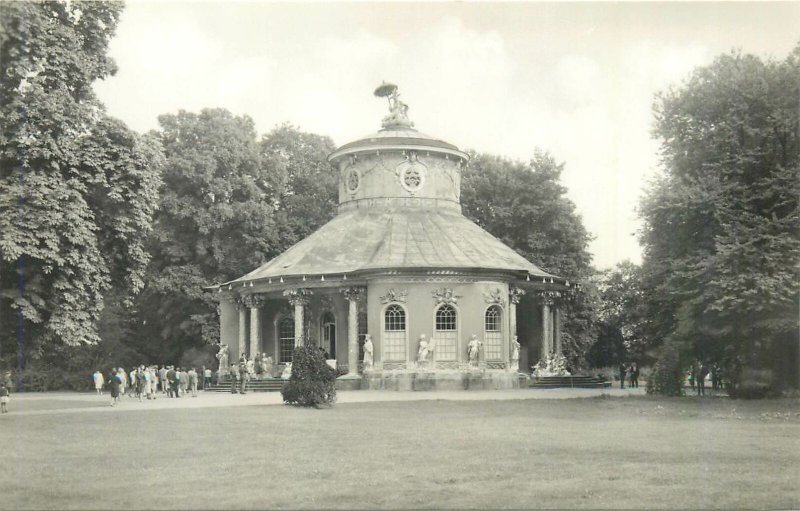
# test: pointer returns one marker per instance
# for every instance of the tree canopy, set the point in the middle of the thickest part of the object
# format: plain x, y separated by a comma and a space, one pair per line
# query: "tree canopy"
77, 188
230, 202
621, 317
525, 206
720, 240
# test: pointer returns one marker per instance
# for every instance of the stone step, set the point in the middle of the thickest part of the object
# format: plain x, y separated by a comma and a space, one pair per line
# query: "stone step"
548, 382
271, 385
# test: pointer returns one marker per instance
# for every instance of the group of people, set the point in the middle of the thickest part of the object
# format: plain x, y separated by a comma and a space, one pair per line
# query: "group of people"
701, 371
632, 373
259, 365
145, 382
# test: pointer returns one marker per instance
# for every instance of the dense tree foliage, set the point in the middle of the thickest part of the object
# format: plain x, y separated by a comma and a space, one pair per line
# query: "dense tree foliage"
621, 327
721, 225
77, 188
229, 204
525, 206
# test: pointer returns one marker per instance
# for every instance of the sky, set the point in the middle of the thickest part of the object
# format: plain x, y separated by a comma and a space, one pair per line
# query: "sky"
575, 79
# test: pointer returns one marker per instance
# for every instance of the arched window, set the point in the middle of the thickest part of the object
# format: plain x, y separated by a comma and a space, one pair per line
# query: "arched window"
285, 339
446, 333
394, 334
329, 334
493, 332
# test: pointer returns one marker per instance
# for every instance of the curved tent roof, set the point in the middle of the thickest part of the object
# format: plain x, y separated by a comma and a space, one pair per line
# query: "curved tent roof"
395, 238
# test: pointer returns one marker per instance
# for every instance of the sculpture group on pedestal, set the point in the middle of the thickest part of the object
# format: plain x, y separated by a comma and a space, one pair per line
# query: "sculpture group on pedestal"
553, 364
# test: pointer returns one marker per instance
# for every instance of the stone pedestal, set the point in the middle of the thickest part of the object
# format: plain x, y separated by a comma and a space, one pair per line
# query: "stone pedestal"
348, 382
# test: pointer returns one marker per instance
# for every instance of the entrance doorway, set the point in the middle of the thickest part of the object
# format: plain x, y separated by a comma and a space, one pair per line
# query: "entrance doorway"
329, 334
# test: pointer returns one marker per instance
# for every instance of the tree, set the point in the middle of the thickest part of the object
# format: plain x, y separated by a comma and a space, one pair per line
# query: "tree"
309, 195
525, 206
621, 315
229, 204
720, 237
77, 188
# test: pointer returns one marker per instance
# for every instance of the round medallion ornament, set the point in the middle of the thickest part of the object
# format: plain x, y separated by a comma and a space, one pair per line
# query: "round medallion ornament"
353, 181
412, 174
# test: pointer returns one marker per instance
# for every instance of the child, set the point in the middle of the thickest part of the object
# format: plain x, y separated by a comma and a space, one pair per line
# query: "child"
3, 398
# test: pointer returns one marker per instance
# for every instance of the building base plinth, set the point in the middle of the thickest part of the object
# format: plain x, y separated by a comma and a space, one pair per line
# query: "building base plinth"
438, 381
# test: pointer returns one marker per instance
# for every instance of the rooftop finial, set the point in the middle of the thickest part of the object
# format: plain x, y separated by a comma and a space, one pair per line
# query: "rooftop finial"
398, 111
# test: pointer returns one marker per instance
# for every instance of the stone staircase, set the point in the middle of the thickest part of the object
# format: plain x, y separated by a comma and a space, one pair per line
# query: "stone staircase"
263, 385
581, 382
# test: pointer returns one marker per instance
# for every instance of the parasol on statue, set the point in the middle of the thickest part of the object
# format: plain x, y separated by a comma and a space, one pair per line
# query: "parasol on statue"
385, 90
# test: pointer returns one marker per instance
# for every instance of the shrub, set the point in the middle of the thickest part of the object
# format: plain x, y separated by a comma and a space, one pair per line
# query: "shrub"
313, 382
666, 378
754, 384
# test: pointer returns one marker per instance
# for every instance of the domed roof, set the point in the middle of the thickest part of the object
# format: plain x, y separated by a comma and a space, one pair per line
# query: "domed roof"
398, 137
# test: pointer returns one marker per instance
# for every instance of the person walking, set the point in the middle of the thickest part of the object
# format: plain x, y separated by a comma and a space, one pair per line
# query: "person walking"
114, 383
99, 381
701, 380
5, 397
162, 377
141, 383
171, 382
634, 381
193, 381
123, 379
244, 376
184, 383
206, 378
178, 385
622, 371
234, 377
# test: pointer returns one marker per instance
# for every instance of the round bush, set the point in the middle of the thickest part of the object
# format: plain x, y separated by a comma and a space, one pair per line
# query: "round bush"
666, 378
313, 382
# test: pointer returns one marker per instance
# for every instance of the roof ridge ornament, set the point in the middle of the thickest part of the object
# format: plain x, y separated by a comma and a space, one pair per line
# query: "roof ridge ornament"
398, 111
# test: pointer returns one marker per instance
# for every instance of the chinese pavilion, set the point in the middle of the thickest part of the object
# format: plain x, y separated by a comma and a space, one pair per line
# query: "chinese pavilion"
442, 300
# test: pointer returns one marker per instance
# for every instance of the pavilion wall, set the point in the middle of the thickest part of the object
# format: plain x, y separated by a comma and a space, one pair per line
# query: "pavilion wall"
420, 307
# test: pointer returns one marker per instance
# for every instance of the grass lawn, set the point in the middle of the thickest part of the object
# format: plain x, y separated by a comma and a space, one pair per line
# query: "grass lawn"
577, 453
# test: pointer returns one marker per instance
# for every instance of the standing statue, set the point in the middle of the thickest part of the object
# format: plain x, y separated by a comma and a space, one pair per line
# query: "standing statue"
266, 365
222, 356
425, 349
515, 353
368, 352
553, 364
473, 350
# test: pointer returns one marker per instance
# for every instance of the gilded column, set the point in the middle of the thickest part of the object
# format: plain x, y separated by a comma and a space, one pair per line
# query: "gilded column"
557, 328
515, 294
254, 303
242, 340
547, 326
299, 299
353, 295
